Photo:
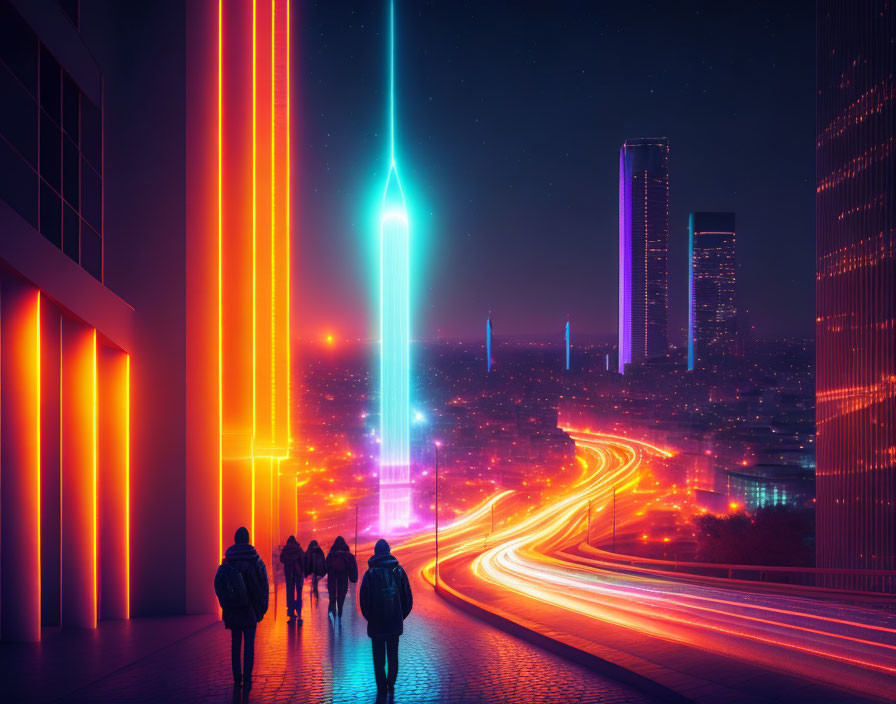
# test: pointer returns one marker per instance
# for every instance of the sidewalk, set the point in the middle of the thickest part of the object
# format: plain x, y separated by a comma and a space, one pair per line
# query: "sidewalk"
446, 656
67, 660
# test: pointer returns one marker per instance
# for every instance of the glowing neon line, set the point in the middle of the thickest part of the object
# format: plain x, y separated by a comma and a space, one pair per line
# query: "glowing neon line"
254, 256
127, 487
273, 408
288, 237
220, 290
94, 470
37, 429
392, 82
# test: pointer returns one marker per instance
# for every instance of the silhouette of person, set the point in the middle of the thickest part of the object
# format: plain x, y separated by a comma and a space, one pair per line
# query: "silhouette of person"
241, 585
342, 568
315, 564
293, 558
386, 601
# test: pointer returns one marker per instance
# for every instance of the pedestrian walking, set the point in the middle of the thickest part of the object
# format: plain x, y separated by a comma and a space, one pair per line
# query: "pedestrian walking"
386, 601
293, 558
241, 585
315, 565
342, 568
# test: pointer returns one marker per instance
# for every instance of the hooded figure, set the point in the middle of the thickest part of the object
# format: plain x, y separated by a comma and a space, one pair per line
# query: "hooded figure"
342, 568
293, 558
241, 585
385, 601
315, 564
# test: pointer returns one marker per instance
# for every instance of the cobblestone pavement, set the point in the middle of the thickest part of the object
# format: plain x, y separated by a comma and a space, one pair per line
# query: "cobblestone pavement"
445, 656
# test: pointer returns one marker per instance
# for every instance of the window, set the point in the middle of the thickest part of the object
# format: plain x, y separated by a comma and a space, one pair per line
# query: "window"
50, 214
51, 143
18, 118
71, 233
18, 184
72, 10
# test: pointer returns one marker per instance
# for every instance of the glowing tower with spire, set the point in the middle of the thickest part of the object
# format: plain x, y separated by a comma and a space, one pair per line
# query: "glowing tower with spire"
395, 334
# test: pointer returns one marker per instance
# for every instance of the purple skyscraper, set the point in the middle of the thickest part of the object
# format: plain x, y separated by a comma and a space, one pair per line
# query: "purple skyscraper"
643, 249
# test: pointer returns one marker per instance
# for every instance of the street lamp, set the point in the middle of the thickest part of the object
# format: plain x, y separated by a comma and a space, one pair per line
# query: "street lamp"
437, 444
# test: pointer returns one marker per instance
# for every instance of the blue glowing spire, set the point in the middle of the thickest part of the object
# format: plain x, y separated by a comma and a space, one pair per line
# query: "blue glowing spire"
567, 345
395, 335
488, 343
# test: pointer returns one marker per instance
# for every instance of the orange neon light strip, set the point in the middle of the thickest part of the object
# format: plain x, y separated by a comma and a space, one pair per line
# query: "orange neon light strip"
220, 290
37, 432
94, 479
127, 486
254, 247
288, 239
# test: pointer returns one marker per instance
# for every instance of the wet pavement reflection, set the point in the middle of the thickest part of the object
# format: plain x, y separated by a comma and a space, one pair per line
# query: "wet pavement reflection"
445, 656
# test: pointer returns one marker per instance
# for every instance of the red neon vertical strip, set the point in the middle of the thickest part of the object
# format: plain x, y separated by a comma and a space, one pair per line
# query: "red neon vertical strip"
20, 601
113, 429
220, 294
78, 468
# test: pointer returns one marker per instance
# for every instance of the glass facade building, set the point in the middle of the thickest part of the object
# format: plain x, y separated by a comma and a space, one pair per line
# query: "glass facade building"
51, 143
712, 288
856, 287
643, 249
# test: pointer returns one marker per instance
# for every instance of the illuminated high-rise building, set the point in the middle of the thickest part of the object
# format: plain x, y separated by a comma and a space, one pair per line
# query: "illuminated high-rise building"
566, 345
856, 287
712, 272
643, 249
395, 335
488, 344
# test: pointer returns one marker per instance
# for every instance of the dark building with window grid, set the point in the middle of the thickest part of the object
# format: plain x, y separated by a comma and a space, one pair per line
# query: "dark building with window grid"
51, 136
643, 249
856, 287
712, 288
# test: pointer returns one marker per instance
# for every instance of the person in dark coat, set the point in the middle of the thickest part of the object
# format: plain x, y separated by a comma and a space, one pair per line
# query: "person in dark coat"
242, 621
386, 601
342, 568
293, 558
315, 564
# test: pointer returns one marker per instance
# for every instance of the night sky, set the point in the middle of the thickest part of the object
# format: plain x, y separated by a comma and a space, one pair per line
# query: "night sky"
510, 119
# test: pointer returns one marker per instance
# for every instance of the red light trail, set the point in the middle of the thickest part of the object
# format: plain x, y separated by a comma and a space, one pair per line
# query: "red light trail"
540, 557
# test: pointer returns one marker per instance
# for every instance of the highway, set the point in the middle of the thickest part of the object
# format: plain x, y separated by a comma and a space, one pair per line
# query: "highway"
534, 565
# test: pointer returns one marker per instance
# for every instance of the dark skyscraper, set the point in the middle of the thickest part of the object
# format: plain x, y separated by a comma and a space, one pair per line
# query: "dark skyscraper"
856, 285
712, 286
643, 249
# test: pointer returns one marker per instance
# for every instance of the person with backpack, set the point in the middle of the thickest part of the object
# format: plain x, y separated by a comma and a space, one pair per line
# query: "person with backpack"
315, 565
241, 585
342, 568
386, 601
293, 558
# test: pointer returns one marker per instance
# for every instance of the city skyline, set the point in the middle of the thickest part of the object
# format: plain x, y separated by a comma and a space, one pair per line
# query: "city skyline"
730, 87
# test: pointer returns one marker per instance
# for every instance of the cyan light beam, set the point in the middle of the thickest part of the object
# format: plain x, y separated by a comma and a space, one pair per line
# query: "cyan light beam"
395, 334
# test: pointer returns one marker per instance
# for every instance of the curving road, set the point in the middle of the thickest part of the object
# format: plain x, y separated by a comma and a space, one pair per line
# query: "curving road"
532, 567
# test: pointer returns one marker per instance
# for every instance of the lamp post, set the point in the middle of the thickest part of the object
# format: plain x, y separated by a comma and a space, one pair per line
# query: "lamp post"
437, 444
614, 519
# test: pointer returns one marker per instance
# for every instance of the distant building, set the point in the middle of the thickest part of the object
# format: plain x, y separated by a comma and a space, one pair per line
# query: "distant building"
856, 286
488, 344
643, 249
566, 344
771, 485
712, 271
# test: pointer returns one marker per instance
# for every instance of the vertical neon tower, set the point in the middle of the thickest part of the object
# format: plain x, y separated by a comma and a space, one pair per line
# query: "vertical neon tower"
395, 334
488, 344
567, 345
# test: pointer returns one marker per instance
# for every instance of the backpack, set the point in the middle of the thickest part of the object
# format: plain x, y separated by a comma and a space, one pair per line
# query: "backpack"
338, 564
258, 590
230, 588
